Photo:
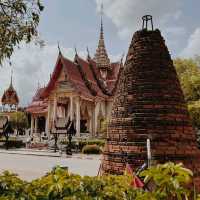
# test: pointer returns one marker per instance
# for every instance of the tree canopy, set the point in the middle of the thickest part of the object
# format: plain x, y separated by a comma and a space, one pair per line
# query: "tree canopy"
19, 20
19, 121
188, 71
189, 75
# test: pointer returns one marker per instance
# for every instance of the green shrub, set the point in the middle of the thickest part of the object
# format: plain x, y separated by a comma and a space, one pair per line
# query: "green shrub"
100, 143
13, 143
80, 144
11, 187
170, 182
91, 149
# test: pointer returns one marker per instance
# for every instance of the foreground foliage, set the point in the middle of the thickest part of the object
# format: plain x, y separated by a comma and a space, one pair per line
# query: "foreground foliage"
19, 20
169, 182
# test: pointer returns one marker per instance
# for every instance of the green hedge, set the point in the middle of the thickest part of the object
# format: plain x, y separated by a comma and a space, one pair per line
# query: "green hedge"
170, 182
82, 143
91, 149
12, 144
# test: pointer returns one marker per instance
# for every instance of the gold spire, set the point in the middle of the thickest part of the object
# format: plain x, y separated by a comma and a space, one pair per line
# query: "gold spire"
11, 80
10, 96
101, 56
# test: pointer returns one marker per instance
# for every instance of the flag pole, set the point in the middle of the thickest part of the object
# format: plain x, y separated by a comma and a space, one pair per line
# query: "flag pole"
149, 152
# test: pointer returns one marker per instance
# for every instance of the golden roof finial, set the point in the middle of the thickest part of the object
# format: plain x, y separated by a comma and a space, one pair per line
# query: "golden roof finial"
59, 50
101, 56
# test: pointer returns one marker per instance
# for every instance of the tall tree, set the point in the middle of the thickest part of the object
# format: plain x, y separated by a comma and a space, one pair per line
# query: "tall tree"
18, 22
188, 71
19, 121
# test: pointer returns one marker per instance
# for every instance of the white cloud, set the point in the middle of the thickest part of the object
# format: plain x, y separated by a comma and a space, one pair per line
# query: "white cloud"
193, 45
31, 65
126, 15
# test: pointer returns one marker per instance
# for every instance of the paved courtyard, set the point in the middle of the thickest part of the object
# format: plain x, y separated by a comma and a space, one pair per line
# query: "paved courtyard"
30, 167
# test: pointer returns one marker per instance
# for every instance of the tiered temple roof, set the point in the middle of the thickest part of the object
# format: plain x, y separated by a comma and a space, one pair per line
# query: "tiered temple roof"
101, 57
10, 96
84, 76
38, 105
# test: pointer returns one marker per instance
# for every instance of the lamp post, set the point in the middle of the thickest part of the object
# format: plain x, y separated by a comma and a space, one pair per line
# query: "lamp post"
55, 135
71, 131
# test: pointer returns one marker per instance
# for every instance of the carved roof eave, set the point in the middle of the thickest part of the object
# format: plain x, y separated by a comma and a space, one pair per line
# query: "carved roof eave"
10, 100
105, 90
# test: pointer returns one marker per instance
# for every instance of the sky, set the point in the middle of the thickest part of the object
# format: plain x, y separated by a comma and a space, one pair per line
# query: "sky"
76, 23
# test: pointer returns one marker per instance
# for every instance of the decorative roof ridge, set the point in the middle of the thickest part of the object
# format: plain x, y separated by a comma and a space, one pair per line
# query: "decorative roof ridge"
53, 73
99, 82
68, 60
38, 94
88, 84
118, 75
81, 58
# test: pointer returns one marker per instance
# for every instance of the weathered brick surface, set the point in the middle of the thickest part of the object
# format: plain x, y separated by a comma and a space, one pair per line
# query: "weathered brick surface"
149, 103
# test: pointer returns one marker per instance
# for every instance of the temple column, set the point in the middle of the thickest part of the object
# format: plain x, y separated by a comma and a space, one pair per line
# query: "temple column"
93, 121
71, 108
90, 126
78, 117
32, 125
47, 120
96, 113
36, 124
54, 109
90, 120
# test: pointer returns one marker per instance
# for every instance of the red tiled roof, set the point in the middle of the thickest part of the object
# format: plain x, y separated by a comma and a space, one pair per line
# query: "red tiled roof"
39, 105
113, 74
112, 77
38, 94
75, 77
85, 67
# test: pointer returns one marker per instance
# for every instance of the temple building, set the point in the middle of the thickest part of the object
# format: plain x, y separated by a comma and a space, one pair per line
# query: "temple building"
10, 99
81, 90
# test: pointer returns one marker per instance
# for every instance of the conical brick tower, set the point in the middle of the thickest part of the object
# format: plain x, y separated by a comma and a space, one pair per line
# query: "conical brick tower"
149, 103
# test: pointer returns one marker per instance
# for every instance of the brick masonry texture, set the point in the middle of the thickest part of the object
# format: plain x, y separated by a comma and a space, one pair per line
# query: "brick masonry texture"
149, 103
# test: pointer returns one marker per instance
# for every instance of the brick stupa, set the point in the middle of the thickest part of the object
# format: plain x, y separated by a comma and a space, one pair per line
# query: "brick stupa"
149, 103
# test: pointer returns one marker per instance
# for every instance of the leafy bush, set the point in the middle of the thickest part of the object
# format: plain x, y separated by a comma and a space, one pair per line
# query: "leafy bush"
13, 143
11, 187
194, 111
82, 143
91, 149
170, 182
100, 143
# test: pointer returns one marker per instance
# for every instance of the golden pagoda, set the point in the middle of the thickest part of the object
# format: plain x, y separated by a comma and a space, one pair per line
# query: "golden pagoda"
10, 98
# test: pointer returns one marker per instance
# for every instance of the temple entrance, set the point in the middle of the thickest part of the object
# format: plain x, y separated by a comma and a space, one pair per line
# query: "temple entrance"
41, 124
100, 122
85, 119
63, 107
83, 126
